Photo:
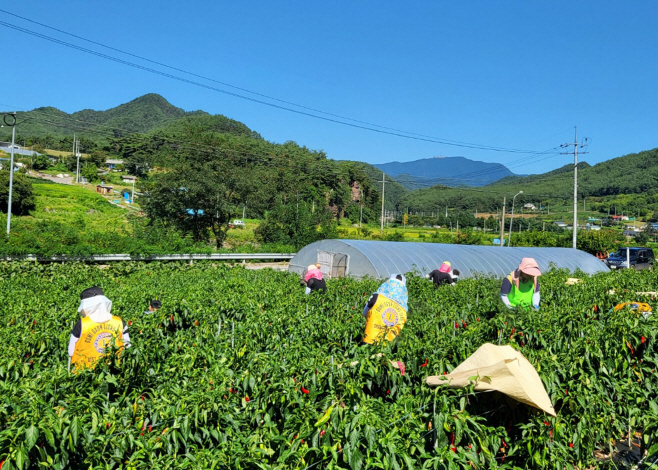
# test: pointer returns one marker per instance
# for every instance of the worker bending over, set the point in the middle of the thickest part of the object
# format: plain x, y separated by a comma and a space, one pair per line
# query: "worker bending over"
521, 287
444, 275
386, 310
314, 280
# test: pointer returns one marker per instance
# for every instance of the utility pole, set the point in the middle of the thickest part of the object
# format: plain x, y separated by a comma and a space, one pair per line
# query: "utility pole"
77, 169
575, 180
502, 222
77, 155
11, 163
383, 185
132, 196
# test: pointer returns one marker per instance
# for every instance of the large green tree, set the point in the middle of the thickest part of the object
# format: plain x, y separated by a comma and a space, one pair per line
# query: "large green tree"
22, 200
201, 193
296, 223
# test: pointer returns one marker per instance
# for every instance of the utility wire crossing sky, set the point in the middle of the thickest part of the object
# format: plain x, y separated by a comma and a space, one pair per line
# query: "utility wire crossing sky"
394, 84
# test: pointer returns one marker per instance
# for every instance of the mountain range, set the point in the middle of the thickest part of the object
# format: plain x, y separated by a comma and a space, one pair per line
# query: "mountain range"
421, 185
446, 171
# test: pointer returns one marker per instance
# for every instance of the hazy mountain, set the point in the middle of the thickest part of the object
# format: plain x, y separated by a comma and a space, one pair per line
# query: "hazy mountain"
447, 171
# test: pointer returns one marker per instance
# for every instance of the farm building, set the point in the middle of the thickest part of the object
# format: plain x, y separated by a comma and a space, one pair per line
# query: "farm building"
380, 259
104, 189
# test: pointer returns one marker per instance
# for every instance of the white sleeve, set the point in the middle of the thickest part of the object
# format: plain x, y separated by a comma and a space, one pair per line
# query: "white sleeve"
307, 290
535, 299
72, 342
506, 301
126, 339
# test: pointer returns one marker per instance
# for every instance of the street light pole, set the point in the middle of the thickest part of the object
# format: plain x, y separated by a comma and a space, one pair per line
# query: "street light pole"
509, 242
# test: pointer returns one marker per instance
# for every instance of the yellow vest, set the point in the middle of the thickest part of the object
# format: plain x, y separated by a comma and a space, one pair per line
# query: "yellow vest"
93, 340
386, 317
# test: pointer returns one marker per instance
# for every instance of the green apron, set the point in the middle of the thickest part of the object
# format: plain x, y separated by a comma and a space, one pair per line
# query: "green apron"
522, 295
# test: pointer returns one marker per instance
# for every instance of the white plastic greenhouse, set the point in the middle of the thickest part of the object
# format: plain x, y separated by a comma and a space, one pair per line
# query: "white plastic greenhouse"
379, 259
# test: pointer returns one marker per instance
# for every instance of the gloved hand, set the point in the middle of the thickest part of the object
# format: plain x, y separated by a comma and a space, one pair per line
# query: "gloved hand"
536, 306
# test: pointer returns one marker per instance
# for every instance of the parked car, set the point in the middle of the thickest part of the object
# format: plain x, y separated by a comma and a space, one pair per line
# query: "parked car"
238, 223
640, 258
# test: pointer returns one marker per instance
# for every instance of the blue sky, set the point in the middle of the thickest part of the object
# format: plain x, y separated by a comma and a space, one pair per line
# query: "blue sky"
511, 75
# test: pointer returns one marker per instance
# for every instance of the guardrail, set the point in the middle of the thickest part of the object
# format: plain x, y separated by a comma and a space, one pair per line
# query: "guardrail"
175, 257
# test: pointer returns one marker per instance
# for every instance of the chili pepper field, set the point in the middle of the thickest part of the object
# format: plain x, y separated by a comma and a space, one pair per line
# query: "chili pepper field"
239, 369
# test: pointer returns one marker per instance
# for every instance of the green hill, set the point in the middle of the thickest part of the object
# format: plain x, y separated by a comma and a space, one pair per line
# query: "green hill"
142, 115
603, 184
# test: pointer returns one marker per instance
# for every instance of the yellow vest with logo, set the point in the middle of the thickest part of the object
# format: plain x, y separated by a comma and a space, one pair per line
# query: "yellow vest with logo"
95, 337
385, 319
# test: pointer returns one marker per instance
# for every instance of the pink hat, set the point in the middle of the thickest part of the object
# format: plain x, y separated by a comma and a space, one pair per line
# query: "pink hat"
529, 267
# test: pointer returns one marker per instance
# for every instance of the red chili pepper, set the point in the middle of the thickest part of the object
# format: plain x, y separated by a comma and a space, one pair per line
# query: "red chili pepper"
171, 317
246, 398
547, 423
456, 326
388, 392
303, 441
513, 330
130, 322
424, 364
478, 319
305, 391
143, 426
150, 428
464, 325
571, 445
643, 339
453, 448
550, 433
566, 392
230, 389
504, 443
322, 433
445, 373
141, 433
107, 425
142, 397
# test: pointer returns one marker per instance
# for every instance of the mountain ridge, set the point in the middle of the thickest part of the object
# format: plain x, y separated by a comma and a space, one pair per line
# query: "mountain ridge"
446, 171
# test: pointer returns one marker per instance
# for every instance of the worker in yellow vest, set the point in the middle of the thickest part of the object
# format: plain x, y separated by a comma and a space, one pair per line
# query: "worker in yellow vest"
521, 287
95, 330
386, 310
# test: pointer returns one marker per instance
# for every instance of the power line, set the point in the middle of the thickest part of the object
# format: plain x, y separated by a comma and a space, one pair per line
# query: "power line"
335, 118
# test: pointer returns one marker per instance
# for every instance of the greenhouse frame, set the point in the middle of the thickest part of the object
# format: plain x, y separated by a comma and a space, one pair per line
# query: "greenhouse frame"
380, 259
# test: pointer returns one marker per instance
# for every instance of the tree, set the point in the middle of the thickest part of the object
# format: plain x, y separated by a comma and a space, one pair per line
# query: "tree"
200, 195
22, 199
296, 224
98, 158
40, 162
90, 172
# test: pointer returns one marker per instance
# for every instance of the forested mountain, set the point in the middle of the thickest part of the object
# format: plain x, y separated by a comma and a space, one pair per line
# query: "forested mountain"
151, 134
446, 171
631, 174
48, 126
